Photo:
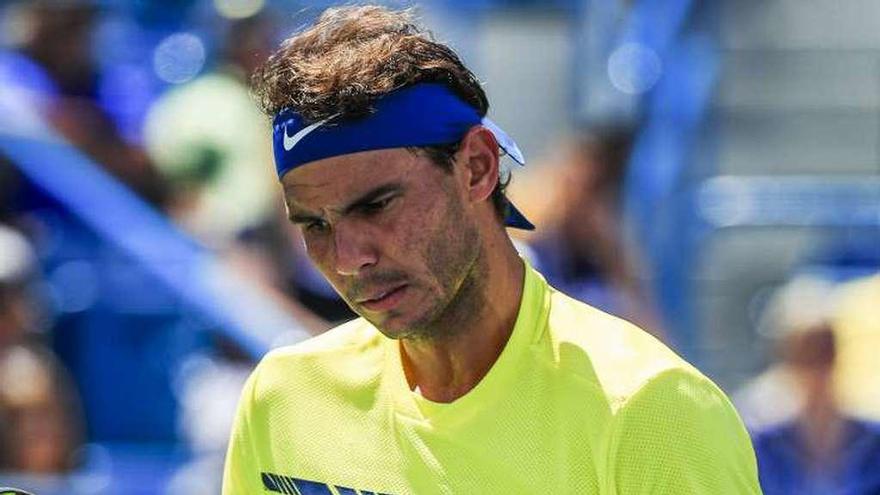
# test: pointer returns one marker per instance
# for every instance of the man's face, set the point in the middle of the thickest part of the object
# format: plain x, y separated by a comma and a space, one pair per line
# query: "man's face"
389, 230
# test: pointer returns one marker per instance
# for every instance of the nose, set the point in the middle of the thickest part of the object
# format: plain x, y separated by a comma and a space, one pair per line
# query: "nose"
354, 249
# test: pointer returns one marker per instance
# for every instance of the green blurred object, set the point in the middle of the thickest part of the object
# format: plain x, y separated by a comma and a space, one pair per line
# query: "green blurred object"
208, 137
203, 167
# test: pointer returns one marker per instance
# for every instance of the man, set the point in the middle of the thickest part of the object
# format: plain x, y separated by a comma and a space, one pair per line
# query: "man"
467, 373
819, 447
39, 410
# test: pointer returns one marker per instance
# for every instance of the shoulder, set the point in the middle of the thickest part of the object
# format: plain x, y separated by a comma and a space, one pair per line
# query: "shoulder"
785, 432
865, 433
347, 337
672, 428
350, 353
681, 405
636, 371
775, 444
680, 434
680, 416
624, 359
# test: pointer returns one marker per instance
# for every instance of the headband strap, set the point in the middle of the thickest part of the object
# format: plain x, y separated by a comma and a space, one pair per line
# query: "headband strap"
424, 114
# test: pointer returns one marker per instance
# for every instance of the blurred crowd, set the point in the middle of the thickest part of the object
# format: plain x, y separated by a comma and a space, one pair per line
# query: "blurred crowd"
40, 416
814, 412
95, 351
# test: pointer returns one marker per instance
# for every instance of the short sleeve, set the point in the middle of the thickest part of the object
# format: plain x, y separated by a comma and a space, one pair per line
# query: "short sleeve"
679, 434
241, 475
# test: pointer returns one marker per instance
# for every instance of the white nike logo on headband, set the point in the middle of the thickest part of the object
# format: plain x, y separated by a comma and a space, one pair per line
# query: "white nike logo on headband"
290, 141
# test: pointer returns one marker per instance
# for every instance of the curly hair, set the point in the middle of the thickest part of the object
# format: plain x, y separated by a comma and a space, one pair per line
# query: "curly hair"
351, 57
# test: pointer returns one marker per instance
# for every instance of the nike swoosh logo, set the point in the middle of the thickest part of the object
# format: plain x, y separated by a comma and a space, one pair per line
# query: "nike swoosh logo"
290, 141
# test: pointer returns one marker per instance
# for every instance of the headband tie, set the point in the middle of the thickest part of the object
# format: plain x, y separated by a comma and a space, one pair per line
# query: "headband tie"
426, 114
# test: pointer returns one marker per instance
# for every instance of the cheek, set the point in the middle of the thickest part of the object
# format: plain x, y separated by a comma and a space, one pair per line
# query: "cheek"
428, 235
409, 231
319, 250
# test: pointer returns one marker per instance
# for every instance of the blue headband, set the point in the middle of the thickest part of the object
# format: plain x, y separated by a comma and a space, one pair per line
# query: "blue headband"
425, 114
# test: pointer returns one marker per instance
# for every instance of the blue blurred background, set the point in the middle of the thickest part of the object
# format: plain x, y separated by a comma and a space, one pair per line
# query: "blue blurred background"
694, 166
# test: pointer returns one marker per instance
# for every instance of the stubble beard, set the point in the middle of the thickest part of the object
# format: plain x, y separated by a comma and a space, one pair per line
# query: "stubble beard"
460, 267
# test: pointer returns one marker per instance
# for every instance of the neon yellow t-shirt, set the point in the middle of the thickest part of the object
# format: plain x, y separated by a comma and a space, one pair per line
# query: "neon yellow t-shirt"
578, 402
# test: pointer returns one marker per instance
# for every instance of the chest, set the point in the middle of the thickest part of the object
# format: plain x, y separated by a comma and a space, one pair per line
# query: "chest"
530, 442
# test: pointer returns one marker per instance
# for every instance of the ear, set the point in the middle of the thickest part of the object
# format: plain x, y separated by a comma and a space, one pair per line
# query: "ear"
479, 156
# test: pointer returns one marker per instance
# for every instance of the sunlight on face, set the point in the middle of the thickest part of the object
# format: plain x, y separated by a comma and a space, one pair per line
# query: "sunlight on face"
388, 229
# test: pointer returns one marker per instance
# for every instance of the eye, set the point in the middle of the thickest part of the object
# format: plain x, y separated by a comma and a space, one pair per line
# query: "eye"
316, 226
376, 206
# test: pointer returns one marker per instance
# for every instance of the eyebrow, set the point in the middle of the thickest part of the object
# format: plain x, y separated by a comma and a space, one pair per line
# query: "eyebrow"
363, 200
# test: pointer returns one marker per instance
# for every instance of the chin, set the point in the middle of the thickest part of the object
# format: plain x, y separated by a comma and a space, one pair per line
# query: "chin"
408, 321
394, 328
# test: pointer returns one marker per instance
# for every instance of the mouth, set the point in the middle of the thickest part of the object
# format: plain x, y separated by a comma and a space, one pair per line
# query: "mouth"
384, 300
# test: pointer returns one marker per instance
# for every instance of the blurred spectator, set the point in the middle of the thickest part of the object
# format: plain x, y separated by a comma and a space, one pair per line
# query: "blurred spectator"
581, 249
816, 448
39, 420
213, 146
55, 61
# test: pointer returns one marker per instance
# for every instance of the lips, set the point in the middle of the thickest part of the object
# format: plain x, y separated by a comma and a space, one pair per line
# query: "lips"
384, 299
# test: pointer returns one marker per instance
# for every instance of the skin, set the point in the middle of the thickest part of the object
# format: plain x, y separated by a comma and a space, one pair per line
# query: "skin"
810, 355
392, 225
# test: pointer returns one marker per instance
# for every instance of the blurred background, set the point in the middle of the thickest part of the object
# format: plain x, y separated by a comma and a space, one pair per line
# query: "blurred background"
707, 169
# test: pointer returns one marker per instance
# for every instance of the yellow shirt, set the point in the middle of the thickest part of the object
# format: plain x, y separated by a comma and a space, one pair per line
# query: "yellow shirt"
578, 402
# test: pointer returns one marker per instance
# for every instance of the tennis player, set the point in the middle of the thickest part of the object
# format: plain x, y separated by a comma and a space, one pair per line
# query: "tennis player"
466, 373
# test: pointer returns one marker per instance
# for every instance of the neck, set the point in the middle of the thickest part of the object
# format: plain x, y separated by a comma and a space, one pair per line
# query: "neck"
448, 366
822, 427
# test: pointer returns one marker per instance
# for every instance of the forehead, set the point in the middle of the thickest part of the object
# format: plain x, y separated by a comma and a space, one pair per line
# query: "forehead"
324, 183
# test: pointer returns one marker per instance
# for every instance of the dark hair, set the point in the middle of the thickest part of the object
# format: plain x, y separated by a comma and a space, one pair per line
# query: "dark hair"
353, 56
